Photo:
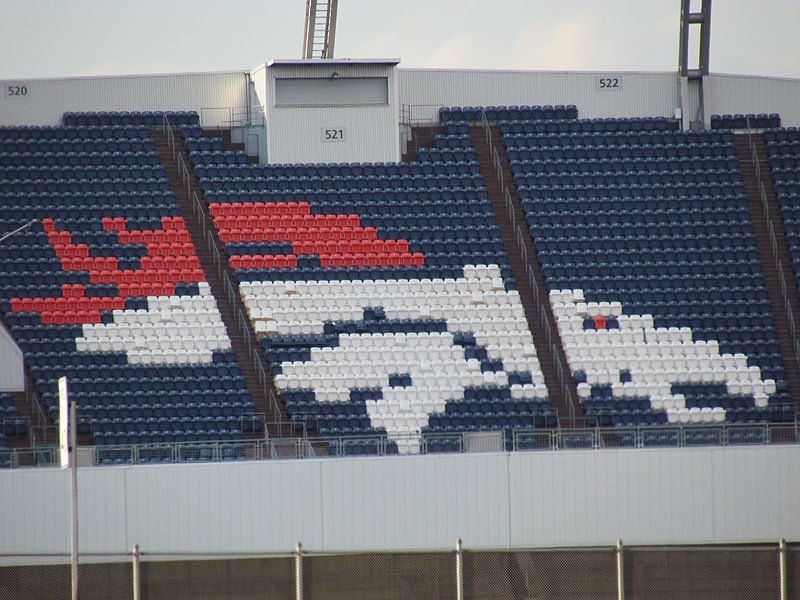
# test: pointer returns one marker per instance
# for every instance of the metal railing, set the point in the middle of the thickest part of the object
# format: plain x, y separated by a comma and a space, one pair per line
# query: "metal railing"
765, 207
514, 440
563, 374
227, 117
220, 262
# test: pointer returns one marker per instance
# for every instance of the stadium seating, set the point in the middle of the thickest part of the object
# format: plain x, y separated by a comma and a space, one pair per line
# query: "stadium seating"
381, 292
644, 241
783, 148
11, 424
105, 286
749, 121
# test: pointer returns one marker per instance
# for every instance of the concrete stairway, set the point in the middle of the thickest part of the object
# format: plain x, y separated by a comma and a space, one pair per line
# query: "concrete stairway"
227, 142
527, 273
772, 252
421, 137
249, 355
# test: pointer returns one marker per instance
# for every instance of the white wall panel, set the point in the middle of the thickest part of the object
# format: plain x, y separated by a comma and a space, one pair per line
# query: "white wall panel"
409, 503
647, 496
295, 133
225, 507
493, 500
753, 498
640, 94
30, 513
743, 94
214, 95
370, 134
12, 373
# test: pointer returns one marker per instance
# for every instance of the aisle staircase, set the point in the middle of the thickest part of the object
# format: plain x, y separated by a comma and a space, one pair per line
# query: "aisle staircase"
253, 365
526, 271
773, 253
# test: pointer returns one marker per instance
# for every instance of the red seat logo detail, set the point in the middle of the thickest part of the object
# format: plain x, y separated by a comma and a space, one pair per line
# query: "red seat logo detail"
170, 259
339, 240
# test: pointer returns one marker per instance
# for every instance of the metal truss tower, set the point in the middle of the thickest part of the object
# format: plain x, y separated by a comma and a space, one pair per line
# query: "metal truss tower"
693, 77
703, 19
320, 30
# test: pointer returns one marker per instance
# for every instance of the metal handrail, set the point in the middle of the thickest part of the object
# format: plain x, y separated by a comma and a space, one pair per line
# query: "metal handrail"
406, 114
231, 290
765, 207
237, 116
522, 247
666, 435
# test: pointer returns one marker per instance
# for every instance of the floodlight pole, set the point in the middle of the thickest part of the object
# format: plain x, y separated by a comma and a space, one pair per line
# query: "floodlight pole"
73, 467
68, 450
694, 76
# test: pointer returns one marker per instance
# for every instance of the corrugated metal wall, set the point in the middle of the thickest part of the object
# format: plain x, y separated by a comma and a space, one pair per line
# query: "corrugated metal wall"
294, 133
743, 94
370, 134
524, 499
214, 95
222, 98
635, 94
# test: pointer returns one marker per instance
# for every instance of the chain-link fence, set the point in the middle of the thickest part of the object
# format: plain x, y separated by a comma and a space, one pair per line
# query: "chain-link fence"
716, 573
730, 572
389, 576
558, 573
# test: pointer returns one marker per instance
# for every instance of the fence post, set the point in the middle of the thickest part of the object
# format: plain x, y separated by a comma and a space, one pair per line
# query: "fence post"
459, 570
782, 569
620, 573
298, 572
137, 592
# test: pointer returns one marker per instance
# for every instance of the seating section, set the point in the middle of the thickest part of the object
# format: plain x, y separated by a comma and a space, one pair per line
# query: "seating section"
104, 286
645, 243
381, 292
174, 118
783, 148
505, 113
630, 372
750, 121
11, 423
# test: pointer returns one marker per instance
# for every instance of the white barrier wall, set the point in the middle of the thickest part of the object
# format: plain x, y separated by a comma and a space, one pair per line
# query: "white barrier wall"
217, 97
497, 500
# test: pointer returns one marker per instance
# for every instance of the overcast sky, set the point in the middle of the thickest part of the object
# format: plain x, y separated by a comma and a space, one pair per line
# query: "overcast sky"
64, 38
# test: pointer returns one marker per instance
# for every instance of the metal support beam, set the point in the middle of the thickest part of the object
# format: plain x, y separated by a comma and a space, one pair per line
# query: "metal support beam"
782, 570
620, 572
459, 570
703, 19
298, 572
137, 584
692, 76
